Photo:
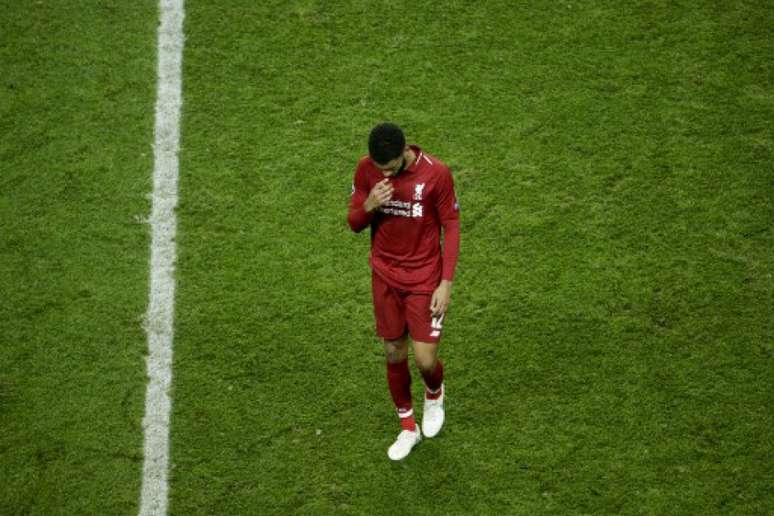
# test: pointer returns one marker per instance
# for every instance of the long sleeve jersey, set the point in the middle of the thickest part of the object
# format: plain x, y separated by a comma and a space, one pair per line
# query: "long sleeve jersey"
406, 232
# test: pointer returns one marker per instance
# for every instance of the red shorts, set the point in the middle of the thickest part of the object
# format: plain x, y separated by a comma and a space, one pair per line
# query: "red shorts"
397, 311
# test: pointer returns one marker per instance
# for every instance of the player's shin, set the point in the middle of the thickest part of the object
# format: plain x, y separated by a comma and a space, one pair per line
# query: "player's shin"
399, 382
433, 380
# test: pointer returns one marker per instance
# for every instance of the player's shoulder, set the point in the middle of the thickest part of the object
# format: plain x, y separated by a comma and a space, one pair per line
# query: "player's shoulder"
434, 166
365, 165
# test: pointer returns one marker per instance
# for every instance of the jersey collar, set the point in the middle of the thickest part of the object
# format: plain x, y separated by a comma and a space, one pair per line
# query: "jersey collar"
417, 156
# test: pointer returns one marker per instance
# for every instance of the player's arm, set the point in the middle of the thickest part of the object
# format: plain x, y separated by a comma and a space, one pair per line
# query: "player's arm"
363, 203
358, 218
449, 216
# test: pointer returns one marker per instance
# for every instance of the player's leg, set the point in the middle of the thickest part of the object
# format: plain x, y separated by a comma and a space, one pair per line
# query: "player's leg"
431, 367
391, 326
425, 331
399, 380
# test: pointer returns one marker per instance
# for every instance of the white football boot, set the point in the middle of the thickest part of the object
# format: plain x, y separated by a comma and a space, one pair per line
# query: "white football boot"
402, 446
433, 415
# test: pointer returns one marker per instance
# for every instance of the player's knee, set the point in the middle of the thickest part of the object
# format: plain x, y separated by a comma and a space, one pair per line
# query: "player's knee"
426, 364
395, 350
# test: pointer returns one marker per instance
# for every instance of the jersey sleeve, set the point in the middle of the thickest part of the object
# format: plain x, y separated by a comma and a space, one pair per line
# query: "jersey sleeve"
449, 215
357, 217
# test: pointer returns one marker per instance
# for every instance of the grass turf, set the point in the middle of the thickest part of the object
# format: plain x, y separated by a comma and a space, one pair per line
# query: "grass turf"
609, 346
76, 118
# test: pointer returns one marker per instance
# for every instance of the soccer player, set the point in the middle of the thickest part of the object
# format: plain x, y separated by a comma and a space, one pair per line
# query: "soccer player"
407, 197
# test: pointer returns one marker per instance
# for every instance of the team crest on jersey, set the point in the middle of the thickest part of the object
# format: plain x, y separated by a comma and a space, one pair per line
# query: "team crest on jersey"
405, 208
418, 191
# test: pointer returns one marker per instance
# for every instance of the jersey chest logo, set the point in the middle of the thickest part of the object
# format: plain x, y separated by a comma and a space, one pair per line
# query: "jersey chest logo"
418, 191
412, 210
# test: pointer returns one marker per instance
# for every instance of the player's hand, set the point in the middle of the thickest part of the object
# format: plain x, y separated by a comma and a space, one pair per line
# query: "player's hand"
380, 194
440, 300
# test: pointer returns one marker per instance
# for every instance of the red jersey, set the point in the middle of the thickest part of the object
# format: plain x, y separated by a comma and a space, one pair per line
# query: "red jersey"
406, 231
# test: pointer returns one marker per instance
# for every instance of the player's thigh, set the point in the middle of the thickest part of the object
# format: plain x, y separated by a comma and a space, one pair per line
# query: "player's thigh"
389, 310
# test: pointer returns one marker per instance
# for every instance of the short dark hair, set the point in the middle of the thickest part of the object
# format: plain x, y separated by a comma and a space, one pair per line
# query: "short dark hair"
386, 142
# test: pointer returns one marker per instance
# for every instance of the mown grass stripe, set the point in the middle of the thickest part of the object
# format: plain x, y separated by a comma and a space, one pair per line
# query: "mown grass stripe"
159, 322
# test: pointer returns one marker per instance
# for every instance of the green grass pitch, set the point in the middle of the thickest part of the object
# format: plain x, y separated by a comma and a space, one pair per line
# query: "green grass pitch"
610, 343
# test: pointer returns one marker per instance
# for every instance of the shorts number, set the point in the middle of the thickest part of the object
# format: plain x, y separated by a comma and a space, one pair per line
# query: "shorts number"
437, 325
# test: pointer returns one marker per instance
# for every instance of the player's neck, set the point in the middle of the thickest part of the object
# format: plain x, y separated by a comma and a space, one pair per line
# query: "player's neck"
410, 157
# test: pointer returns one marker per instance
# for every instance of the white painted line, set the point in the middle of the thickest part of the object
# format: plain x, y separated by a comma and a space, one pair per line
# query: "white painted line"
159, 320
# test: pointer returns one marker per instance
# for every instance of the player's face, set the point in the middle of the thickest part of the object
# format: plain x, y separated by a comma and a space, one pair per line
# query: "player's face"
392, 167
